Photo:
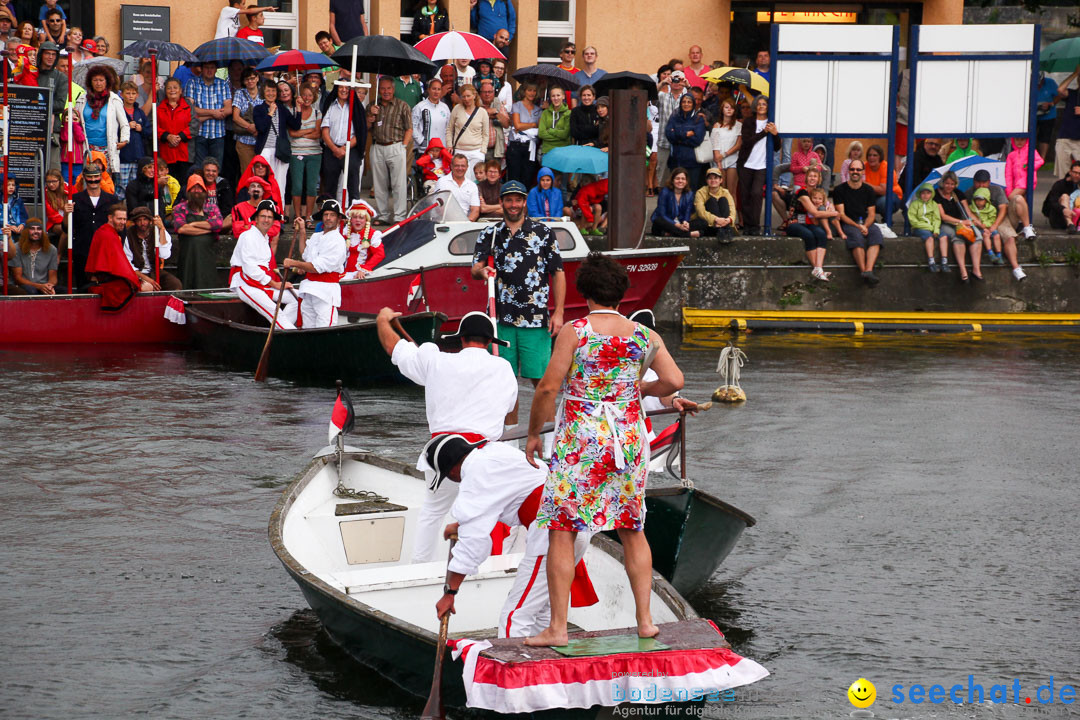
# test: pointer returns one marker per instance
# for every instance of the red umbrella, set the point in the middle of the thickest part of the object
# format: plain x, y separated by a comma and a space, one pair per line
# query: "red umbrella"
456, 45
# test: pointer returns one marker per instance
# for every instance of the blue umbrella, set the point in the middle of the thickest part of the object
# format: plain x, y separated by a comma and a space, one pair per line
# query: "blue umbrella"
577, 159
224, 50
296, 60
965, 169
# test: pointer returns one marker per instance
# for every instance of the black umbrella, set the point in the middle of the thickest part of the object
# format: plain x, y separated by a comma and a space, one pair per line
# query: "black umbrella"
547, 75
383, 55
626, 80
163, 50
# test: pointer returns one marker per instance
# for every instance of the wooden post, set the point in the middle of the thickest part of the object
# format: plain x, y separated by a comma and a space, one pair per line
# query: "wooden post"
626, 172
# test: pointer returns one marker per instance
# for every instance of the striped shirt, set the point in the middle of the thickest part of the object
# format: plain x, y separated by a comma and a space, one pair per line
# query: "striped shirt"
209, 97
668, 104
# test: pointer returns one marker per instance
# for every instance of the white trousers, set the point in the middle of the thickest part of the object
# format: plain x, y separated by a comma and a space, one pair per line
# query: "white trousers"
260, 300
432, 519
388, 175
316, 312
476, 157
527, 609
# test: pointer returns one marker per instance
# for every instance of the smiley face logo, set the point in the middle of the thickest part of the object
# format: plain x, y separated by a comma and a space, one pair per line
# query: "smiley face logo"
862, 693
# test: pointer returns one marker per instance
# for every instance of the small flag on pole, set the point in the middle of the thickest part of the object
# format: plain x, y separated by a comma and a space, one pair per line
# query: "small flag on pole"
416, 294
342, 418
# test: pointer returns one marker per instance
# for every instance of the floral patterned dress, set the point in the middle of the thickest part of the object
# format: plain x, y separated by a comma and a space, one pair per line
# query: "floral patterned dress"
600, 457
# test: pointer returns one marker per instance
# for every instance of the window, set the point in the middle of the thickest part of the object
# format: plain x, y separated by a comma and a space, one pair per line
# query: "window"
555, 27
279, 30
465, 243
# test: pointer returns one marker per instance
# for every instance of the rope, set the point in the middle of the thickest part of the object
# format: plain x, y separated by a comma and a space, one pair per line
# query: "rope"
363, 495
731, 360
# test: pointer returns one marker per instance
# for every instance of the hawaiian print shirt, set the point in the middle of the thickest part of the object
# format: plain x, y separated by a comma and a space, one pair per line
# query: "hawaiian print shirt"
525, 262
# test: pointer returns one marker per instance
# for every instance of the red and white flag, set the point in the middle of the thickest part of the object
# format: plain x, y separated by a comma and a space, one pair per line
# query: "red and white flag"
416, 294
664, 450
342, 418
174, 311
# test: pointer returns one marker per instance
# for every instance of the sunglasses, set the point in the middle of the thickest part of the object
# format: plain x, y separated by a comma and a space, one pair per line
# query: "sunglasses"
569, 52
855, 169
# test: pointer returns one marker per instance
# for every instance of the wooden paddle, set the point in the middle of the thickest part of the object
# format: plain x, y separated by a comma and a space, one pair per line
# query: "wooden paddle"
264, 359
396, 324
433, 709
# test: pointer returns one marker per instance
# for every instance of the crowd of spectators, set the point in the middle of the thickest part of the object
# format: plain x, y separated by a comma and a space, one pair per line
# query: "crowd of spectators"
229, 135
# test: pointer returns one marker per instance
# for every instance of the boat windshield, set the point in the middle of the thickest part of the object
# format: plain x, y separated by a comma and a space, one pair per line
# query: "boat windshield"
449, 212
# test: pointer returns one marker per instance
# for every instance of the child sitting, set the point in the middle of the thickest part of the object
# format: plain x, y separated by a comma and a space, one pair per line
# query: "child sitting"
983, 217
925, 218
434, 163
821, 201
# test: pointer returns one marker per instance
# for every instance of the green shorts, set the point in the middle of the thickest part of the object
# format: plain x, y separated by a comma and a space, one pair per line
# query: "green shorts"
529, 351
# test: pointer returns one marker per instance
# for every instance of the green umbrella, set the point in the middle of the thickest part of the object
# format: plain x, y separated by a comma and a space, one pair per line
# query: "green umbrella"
1061, 56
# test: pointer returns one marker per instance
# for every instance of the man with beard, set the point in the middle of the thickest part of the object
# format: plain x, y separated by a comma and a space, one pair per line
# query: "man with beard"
114, 279
139, 249
90, 208
527, 268
242, 212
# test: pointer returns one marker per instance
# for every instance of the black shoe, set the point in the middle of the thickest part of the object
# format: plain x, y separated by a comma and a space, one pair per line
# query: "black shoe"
872, 279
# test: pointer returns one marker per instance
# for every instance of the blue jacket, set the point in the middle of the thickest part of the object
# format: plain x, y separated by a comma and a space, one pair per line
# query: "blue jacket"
682, 147
490, 16
139, 144
534, 202
667, 209
16, 213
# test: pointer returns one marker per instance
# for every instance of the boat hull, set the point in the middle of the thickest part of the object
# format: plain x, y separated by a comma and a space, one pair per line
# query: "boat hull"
451, 289
351, 353
79, 319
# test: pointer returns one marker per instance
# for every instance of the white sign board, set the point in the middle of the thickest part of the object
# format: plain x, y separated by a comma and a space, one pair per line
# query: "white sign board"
835, 38
968, 39
824, 97
960, 97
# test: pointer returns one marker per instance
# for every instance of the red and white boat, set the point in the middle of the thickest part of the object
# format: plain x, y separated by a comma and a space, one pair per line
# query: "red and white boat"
77, 319
436, 253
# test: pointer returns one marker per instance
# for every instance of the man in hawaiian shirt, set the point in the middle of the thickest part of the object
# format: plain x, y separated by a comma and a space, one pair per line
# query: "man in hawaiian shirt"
528, 274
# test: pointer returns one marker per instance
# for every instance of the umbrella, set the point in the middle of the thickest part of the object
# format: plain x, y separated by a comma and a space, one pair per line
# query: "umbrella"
383, 55
224, 50
577, 159
626, 81
547, 75
1060, 56
163, 50
965, 169
739, 76
454, 44
78, 73
295, 60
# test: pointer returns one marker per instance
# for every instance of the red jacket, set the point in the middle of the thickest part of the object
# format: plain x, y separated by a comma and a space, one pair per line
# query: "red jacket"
116, 280
174, 121
427, 165
591, 194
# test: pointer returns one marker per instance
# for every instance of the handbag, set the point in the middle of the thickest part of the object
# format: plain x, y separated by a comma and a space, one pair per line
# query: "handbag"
965, 232
703, 153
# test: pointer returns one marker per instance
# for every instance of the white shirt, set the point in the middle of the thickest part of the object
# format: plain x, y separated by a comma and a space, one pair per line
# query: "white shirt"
337, 119
506, 97
495, 480
467, 194
164, 252
228, 22
469, 391
438, 117
327, 251
756, 161
251, 255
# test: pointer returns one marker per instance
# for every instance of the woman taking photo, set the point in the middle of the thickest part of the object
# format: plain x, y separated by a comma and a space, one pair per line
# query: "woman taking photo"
751, 163
685, 131
584, 121
104, 119
174, 129
306, 159
523, 151
726, 140
674, 207
599, 459
468, 130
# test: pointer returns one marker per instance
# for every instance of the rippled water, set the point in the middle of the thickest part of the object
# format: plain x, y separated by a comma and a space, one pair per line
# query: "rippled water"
915, 499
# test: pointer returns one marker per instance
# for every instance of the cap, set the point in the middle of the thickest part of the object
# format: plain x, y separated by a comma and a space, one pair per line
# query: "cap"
981, 176
444, 452
645, 317
5, 13
265, 205
678, 75
714, 171
361, 206
48, 45
477, 324
141, 211
513, 187
89, 45
603, 100
196, 180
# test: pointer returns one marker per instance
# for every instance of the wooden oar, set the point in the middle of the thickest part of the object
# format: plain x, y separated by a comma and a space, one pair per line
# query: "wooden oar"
433, 709
396, 324
264, 359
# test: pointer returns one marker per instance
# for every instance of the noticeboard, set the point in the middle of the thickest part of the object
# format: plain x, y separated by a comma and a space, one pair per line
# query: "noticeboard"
29, 108
144, 22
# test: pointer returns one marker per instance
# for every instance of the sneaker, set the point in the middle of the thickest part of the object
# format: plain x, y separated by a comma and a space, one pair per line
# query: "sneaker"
1029, 232
870, 278
998, 259
1019, 274
933, 266
886, 231
820, 274
945, 267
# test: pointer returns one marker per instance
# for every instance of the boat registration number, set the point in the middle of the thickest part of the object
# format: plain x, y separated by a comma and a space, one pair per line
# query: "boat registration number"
643, 267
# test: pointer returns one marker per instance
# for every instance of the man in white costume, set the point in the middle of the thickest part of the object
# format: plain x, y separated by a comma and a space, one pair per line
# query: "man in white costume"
323, 262
467, 393
254, 277
497, 484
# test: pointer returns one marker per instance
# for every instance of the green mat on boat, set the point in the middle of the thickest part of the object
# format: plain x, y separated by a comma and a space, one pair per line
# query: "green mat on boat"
609, 645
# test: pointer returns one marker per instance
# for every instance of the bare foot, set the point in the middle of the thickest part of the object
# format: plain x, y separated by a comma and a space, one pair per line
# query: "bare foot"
647, 630
695, 233
548, 638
